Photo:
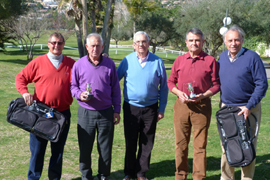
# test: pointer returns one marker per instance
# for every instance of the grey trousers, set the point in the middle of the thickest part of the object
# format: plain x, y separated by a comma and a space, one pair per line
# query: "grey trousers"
90, 122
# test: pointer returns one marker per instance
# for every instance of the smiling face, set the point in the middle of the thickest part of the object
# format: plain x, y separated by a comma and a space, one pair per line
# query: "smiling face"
56, 45
141, 44
194, 43
233, 42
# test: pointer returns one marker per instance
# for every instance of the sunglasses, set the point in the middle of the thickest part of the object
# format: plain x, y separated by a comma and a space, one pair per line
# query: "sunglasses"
59, 43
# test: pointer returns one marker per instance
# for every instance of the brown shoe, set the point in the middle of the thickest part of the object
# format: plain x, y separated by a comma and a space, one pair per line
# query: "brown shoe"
127, 177
142, 178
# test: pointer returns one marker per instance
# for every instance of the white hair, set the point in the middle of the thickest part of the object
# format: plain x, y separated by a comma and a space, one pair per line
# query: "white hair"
95, 35
141, 32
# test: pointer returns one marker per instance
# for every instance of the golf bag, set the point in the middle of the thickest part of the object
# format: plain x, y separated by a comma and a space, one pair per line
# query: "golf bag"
237, 136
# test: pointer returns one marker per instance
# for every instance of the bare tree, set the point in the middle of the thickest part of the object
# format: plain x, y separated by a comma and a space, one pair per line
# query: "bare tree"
29, 29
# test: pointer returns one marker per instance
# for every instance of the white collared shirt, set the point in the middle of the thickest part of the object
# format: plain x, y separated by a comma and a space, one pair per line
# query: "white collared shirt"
232, 59
143, 60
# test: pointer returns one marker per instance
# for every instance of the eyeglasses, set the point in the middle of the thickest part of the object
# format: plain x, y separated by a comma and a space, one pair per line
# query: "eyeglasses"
140, 42
59, 43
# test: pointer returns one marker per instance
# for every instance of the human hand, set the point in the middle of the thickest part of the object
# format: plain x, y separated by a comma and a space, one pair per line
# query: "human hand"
28, 98
84, 96
160, 116
105, 55
197, 98
183, 97
116, 118
245, 111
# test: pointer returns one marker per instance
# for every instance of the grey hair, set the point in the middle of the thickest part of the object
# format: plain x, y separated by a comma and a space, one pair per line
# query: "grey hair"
195, 31
141, 32
94, 35
57, 35
235, 28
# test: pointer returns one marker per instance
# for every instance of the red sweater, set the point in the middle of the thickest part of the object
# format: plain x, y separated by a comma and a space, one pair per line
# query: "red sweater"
52, 86
202, 71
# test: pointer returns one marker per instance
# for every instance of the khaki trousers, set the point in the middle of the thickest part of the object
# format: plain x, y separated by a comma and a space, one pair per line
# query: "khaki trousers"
247, 172
195, 116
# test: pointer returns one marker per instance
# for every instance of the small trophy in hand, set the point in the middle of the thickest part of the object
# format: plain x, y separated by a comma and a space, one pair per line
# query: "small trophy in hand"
190, 88
88, 89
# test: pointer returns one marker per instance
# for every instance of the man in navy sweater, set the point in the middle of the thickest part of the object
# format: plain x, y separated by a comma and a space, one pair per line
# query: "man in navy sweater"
243, 83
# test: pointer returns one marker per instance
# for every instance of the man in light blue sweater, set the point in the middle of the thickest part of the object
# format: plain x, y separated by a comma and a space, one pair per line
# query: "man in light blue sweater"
243, 83
145, 98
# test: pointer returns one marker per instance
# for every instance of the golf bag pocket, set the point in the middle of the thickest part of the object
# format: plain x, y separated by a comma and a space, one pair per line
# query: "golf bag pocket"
236, 137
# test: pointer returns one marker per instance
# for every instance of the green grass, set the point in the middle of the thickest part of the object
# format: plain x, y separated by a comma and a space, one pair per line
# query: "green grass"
14, 148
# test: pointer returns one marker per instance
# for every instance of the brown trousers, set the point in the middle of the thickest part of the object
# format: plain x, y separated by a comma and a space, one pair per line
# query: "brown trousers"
195, 116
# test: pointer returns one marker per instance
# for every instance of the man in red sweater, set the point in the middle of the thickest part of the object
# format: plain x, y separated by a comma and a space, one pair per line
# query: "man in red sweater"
51, 74
192, 114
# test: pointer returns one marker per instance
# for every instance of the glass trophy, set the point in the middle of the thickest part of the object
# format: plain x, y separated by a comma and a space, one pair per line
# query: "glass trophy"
88, 89
190, 89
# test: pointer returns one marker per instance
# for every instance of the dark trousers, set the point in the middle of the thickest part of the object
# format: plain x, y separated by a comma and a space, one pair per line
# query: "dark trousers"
38, 149
90, 122
139, 125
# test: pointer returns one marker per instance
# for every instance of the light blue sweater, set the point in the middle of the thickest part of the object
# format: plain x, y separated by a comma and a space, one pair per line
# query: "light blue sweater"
144, 86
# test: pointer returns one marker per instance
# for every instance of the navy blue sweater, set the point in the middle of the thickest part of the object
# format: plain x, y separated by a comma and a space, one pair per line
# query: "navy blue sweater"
243, 82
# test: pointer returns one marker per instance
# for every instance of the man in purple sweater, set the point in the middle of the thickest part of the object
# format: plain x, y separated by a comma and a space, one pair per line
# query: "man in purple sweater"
243, 83
99, 112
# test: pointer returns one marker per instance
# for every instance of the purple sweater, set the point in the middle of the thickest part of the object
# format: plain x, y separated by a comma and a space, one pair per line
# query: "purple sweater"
104, 83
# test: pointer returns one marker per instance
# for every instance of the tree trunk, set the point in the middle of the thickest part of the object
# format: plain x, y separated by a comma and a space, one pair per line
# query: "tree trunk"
85, 22
79, 38
30, 55
134, 27
93, 20
106, 23
107, 42
154, 48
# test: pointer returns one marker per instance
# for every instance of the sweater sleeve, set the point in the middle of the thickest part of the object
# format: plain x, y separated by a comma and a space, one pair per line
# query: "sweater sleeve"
163, 89
25, 77
116, 91
260, 81
215, 78
173, 78
122, 68
75, 87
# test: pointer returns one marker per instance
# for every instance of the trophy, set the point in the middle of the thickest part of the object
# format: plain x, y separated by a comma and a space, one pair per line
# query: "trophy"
190, 88
88, 89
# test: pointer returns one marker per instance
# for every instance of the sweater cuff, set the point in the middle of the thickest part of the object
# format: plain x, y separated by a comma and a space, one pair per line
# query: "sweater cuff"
117, 109
23, 91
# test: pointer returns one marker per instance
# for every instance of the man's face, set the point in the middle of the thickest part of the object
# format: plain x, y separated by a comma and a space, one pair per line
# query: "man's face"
141, 44
56, 45
194, 43
94, 48
233, 42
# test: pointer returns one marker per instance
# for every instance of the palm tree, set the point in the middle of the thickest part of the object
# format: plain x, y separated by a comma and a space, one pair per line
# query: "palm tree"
74, 11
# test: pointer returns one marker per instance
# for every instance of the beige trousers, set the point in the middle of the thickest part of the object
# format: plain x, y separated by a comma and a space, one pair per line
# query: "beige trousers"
247, 172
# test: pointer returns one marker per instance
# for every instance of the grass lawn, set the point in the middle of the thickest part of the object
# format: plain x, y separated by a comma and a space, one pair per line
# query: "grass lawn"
14, 148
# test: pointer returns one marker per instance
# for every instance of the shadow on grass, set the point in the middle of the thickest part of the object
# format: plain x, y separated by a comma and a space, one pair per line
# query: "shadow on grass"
261, 170
19, 57
16, 61
166, 169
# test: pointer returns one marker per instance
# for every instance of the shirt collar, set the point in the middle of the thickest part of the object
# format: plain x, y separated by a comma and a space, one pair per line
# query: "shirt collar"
199, 57
141, 60
232, 59
100, 60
